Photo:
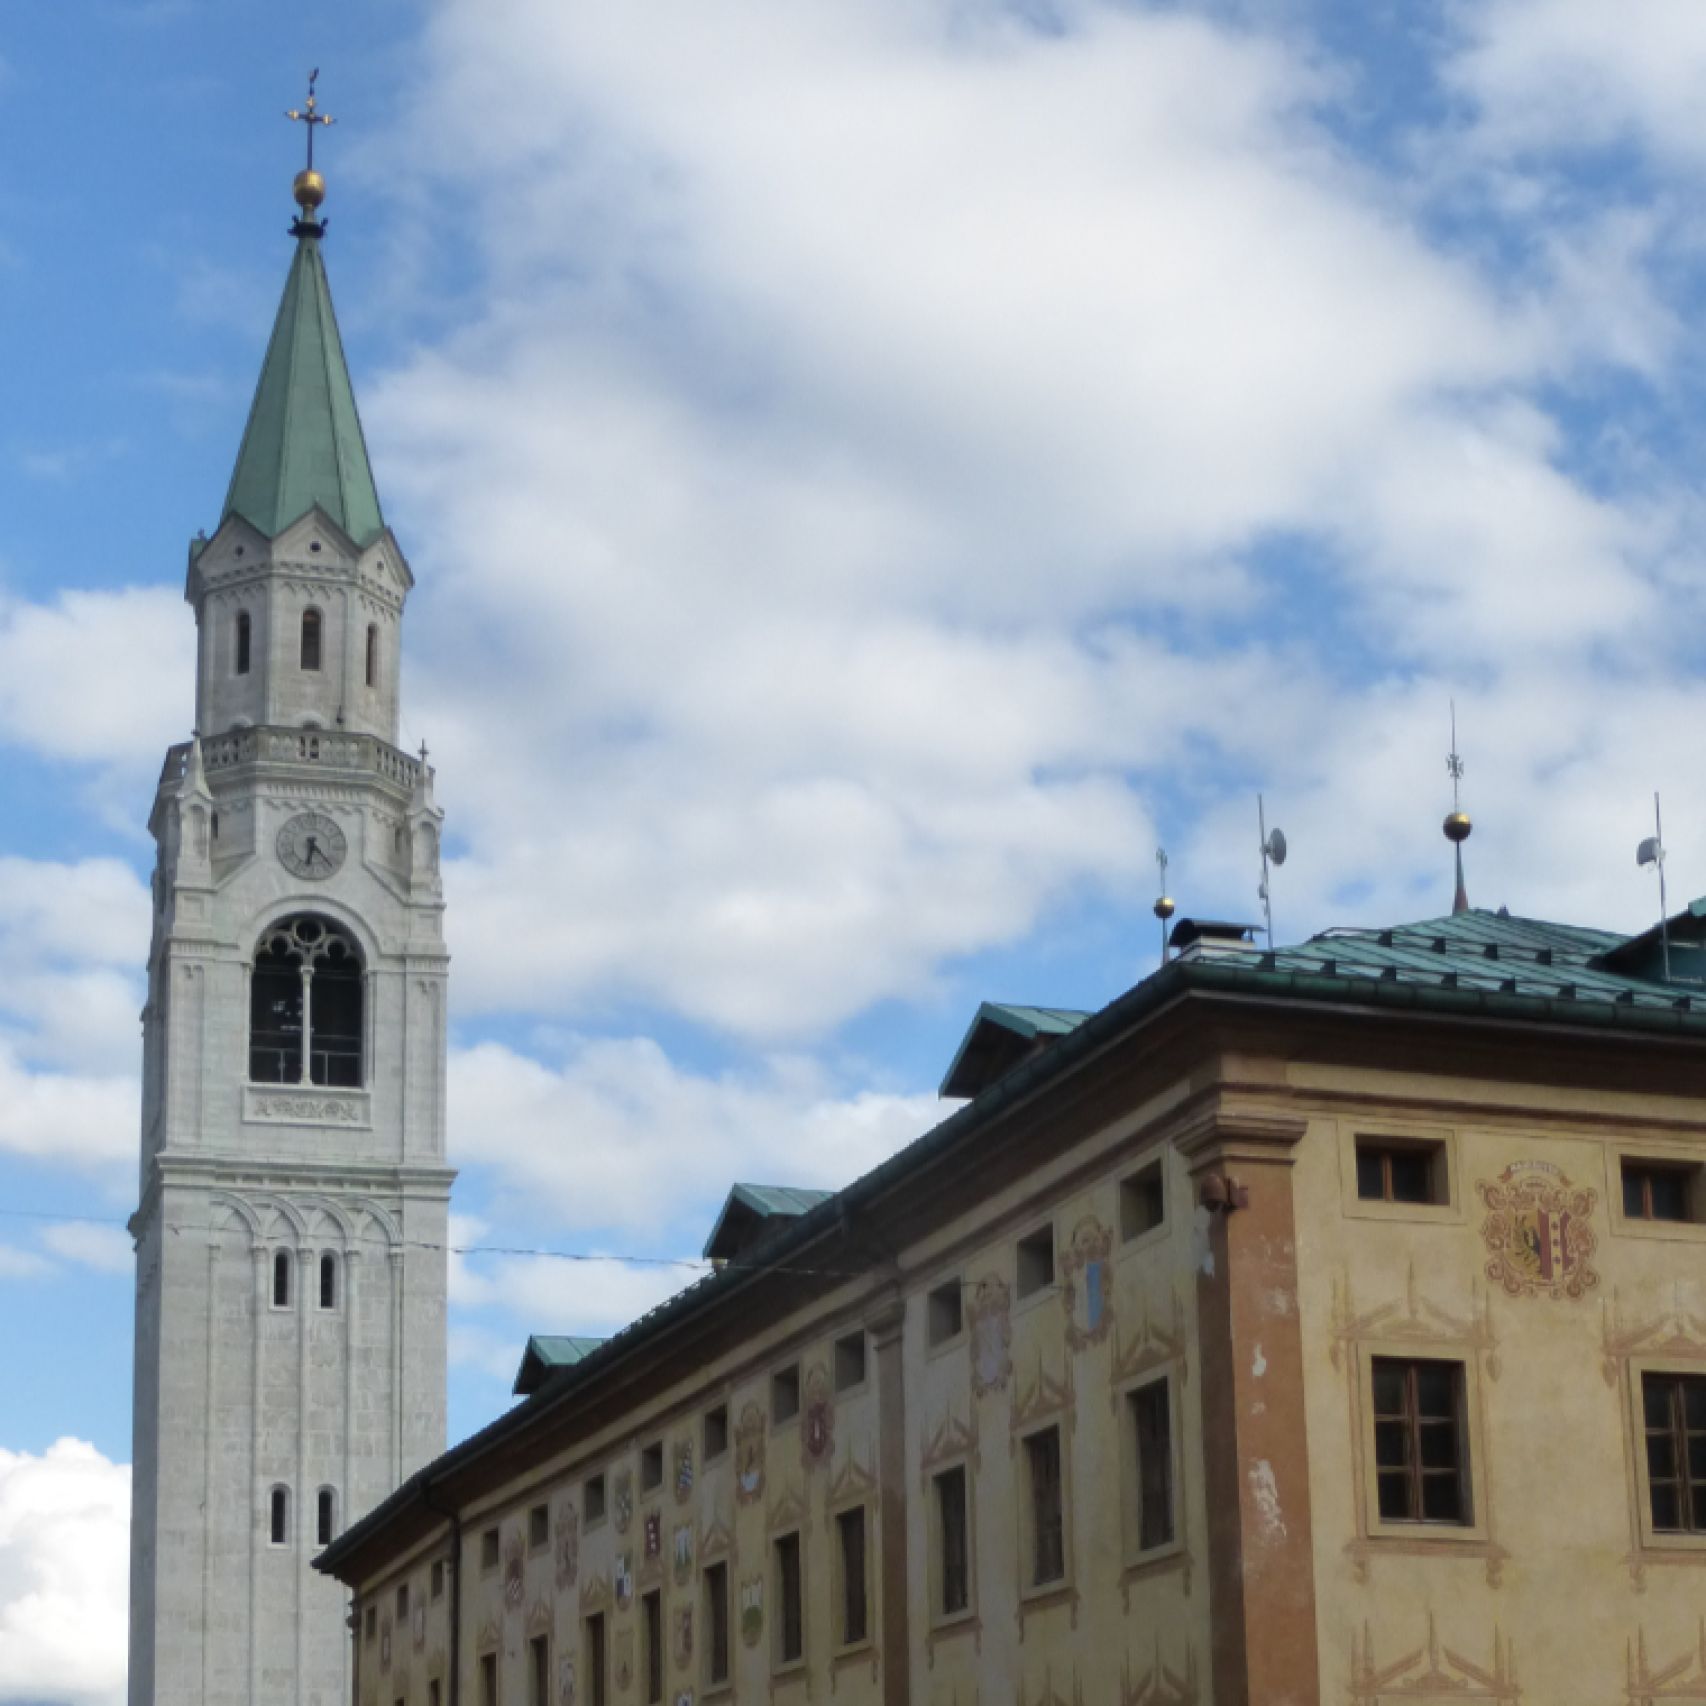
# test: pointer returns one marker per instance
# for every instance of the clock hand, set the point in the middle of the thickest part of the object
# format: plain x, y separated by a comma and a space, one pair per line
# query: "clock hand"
314, 852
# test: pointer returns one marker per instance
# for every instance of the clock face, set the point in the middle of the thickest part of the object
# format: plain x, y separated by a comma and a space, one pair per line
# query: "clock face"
311, 845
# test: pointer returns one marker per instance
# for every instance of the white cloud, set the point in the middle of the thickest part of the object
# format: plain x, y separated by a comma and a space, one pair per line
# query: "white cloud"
22, 1264
74, 1120
102, 678
64, 1574
91, 1244
615, 1138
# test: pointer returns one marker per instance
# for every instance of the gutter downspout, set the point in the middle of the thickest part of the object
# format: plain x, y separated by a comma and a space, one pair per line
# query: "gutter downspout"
455, 1520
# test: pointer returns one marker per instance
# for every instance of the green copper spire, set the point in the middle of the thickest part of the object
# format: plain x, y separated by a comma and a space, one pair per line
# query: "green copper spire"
303, 444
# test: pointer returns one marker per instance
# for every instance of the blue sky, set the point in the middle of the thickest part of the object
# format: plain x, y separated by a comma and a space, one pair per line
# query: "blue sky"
873, 471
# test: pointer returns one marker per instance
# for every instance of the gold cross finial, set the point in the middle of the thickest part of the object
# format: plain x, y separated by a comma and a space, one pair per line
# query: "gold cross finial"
310, 186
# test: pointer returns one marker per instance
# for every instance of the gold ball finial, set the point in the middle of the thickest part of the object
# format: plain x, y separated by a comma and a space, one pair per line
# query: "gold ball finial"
1457, 826
309, 190
1164, 908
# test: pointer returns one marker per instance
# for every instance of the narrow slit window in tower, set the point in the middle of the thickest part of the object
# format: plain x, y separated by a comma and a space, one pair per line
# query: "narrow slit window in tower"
279, 1516
281, 1280
325, 1524
242, 642
328, 1281
373, 654
310, 639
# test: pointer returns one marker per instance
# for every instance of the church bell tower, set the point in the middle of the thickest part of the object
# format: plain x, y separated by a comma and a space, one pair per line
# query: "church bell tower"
290, 1238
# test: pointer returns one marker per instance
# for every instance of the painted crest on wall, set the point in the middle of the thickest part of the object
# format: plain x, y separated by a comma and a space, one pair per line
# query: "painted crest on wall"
624, 1581
652, 1529
683, 1625
417, 1623
568, 1543
817, 1425
1538, 1231
515, 1567
683, 1471
749, 1455
1085, 1284
623, 1500
566, 1680
991, 1335
385, 1641
624, 1660
752, 1610
683, 1553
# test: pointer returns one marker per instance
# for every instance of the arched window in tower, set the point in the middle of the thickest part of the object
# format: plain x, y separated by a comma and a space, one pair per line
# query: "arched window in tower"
328, 1280
278, 1517
305, 1005
242, 642
311, 639
326, 1517
281, 1280
373, 654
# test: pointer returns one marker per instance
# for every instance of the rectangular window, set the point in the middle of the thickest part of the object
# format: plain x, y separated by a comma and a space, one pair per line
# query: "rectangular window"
435, 1692
1400, 1170
1143, 1201
242, 642
651, 1620
539, 1528
438, 1578
1152, 1428
539, 1671
1036, 1261
1674, 1409
1420, 1450
716, 1431
592, 1500
855, 1611
370, 1622
785, 1394
790, 1602
953, 1543
1048, 1514
849, 1361
488, 1679
1654, 1190
716, 1624
595, 1657
651, 1466
944, 1314
489, 1549
402, 1605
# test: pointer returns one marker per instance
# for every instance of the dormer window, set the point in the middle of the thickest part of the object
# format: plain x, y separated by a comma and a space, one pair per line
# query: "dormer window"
373, 654
305, 1006
311, 639
242, 642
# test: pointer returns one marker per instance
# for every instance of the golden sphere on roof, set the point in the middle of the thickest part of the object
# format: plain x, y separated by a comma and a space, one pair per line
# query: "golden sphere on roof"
309, 189
1457, 826
1164, 907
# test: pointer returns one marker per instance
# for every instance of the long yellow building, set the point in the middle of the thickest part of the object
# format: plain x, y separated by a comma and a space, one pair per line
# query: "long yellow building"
1327, 1325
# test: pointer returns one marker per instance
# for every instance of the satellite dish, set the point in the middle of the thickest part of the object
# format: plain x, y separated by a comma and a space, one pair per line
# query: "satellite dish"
1274, 846
1650, 852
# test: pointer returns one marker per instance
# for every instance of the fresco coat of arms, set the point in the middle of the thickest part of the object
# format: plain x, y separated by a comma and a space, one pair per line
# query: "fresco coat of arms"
752, 1610
568, 1544
653, 1529
515, 1569
817, 1426
991, 1318
683, 1471
624, 1501
1086, 1279
624, 1581
566, 1680
683, 1621
749, 1455
1539, 1232
683, 1551
624, 1660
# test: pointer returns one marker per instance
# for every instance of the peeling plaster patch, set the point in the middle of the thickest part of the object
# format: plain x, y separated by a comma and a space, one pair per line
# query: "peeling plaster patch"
1264, 1489
1202, 1252
1282, 1301
1260, 1366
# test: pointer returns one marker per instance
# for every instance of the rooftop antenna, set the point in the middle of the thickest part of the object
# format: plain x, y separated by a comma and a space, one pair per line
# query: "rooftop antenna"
1652, 852
1273, 852
1457, 824
1164, 907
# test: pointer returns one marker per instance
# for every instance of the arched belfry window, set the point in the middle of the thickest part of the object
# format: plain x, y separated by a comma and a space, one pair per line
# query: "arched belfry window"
281, 1280
305, 1005
311, 639
373, 654
242, 642
328, 1280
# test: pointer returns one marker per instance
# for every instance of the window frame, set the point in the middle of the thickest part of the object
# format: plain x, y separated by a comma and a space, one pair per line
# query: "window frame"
710, 1683
1471, 1438
325, 1515
282, 1267
328, 1271
1130, 1184
370, 668
708, 1452
1025, 1295
595, 1677
651, 1466
539, 1527
1029, 1587
935, 1342
785, 1379
654, 1649
595, 1490
1657, 1157
491, 1550
243, 644
1654, 1539
941, 1618
844, 1342
539, 1677
841, 1645
780, 1663
313, 622
1137, 1554
1447, 1204
280, 1515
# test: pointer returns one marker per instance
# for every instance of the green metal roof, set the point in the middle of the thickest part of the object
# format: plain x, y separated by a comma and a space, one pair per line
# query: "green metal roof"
750, 1210
303, 444
1000, 1037
545, 1352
